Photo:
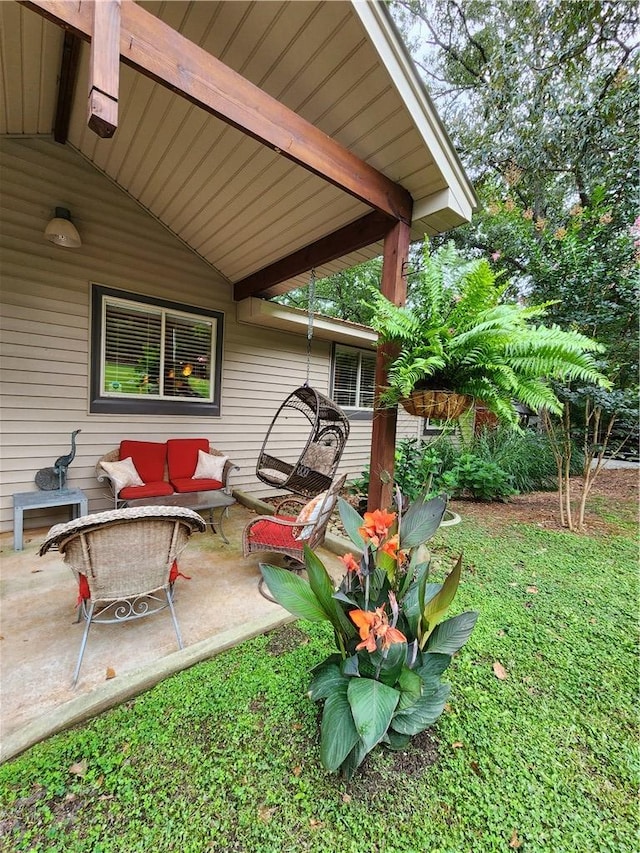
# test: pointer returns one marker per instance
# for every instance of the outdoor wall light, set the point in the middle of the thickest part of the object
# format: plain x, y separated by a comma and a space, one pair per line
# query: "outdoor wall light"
61, 230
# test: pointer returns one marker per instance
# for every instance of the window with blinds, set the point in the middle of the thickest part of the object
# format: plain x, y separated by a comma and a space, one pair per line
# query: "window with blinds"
354, 374
156, 354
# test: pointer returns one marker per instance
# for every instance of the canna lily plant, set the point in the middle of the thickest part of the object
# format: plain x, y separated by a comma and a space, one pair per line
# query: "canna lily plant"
383, 685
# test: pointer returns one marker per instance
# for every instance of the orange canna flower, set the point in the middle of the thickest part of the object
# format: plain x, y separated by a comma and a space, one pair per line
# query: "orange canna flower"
390, 547
376, 526
350, 563
373, 626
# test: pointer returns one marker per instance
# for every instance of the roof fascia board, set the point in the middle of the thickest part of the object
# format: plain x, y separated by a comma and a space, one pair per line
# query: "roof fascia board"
384, 36
272, 315
435, 203
157, 50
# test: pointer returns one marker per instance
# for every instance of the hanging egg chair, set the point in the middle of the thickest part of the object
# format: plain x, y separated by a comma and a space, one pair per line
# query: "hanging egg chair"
303, 446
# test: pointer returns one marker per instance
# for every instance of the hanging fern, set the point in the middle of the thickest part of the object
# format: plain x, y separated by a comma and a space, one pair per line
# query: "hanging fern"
462, 336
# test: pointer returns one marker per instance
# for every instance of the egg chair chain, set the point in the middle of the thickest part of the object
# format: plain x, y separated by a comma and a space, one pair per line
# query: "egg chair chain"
312, 298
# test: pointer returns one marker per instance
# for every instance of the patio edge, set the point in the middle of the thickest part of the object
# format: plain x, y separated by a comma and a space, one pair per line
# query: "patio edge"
125, 687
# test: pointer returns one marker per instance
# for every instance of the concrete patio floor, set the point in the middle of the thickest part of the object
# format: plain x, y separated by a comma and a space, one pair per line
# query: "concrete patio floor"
219, 607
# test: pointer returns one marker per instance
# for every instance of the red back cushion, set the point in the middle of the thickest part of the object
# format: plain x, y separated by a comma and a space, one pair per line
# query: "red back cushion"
148, 456
182, 456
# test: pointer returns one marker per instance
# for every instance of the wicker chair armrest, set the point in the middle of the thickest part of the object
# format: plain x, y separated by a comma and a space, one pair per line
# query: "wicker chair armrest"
229, 468
274, 519
101, 474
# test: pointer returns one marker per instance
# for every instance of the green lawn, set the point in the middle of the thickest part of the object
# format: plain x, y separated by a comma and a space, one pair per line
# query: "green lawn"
224, 757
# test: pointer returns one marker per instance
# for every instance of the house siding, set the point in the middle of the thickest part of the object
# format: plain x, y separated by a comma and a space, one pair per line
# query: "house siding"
44, 332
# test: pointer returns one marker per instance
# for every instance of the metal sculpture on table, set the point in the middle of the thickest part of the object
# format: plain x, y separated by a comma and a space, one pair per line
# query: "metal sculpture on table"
55, 477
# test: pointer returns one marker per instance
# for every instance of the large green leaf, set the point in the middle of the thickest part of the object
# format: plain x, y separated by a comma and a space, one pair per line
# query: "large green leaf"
338, 733
421, 521
422, 713
451, 635
432, 667
418, 566
388, 564
351, 521
323, 589
345, 599
378, 587
325, 682
293, 593
351, 666
367, 667
353, 760
391, 663
395, 741
410, 604
410, 685
372, 705
436, 609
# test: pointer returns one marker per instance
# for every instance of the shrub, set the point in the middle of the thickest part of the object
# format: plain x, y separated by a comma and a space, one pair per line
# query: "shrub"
475, 477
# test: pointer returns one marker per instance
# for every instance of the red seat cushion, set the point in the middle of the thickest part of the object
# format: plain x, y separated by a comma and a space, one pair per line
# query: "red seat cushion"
84, 593
266, 533
158, 489
187, 484
175, 573
149, 457
83, 589
182, 457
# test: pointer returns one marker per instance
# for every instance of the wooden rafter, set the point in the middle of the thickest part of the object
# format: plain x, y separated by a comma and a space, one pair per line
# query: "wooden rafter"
158, 51
104, 69
267, 282
66, 86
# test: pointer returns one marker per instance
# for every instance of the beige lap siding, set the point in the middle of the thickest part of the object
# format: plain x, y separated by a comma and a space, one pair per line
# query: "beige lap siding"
45, 321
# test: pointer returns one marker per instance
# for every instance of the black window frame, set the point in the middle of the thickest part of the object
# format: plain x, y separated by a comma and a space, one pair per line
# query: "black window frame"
100, 404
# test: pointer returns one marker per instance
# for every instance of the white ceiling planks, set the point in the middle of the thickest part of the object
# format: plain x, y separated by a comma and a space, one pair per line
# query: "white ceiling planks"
237, 203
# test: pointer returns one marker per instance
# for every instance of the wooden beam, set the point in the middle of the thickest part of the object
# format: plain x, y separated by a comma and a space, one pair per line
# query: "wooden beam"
66, 86
158, 51
383, 437
268, 282
104, 69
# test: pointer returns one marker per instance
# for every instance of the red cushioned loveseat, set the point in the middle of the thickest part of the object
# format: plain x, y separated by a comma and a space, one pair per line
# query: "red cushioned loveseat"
163, 468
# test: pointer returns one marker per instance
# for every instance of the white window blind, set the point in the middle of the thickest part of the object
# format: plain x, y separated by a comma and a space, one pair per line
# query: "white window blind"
152, 352
354, 377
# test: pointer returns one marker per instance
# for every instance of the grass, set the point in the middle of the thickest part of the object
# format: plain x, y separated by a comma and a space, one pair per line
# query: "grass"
224, 757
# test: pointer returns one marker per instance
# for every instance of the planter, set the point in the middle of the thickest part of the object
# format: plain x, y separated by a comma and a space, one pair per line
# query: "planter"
484, 418
439, 405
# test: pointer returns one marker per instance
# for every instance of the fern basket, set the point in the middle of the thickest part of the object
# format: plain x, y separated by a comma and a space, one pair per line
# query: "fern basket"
438, 405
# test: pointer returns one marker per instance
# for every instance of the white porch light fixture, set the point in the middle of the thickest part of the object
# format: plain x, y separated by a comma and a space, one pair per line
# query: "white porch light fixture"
61, 230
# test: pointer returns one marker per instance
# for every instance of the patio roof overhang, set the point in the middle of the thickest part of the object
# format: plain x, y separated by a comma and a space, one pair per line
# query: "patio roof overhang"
269, 137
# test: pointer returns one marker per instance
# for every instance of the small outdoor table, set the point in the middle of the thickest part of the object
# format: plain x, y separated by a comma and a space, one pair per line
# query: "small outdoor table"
212, 500
75, 498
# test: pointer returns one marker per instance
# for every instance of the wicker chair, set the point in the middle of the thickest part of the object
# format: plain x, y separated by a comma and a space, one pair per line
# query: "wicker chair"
124, 561
283, 534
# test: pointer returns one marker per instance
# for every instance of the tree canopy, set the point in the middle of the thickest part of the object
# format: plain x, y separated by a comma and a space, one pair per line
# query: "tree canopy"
540, 98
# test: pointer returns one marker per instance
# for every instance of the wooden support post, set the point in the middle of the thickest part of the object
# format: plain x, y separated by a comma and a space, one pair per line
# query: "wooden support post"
104, 68
383, 438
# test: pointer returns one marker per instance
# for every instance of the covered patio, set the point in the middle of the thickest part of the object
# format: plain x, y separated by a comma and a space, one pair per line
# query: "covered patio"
217, 607
267, 139
226, 150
